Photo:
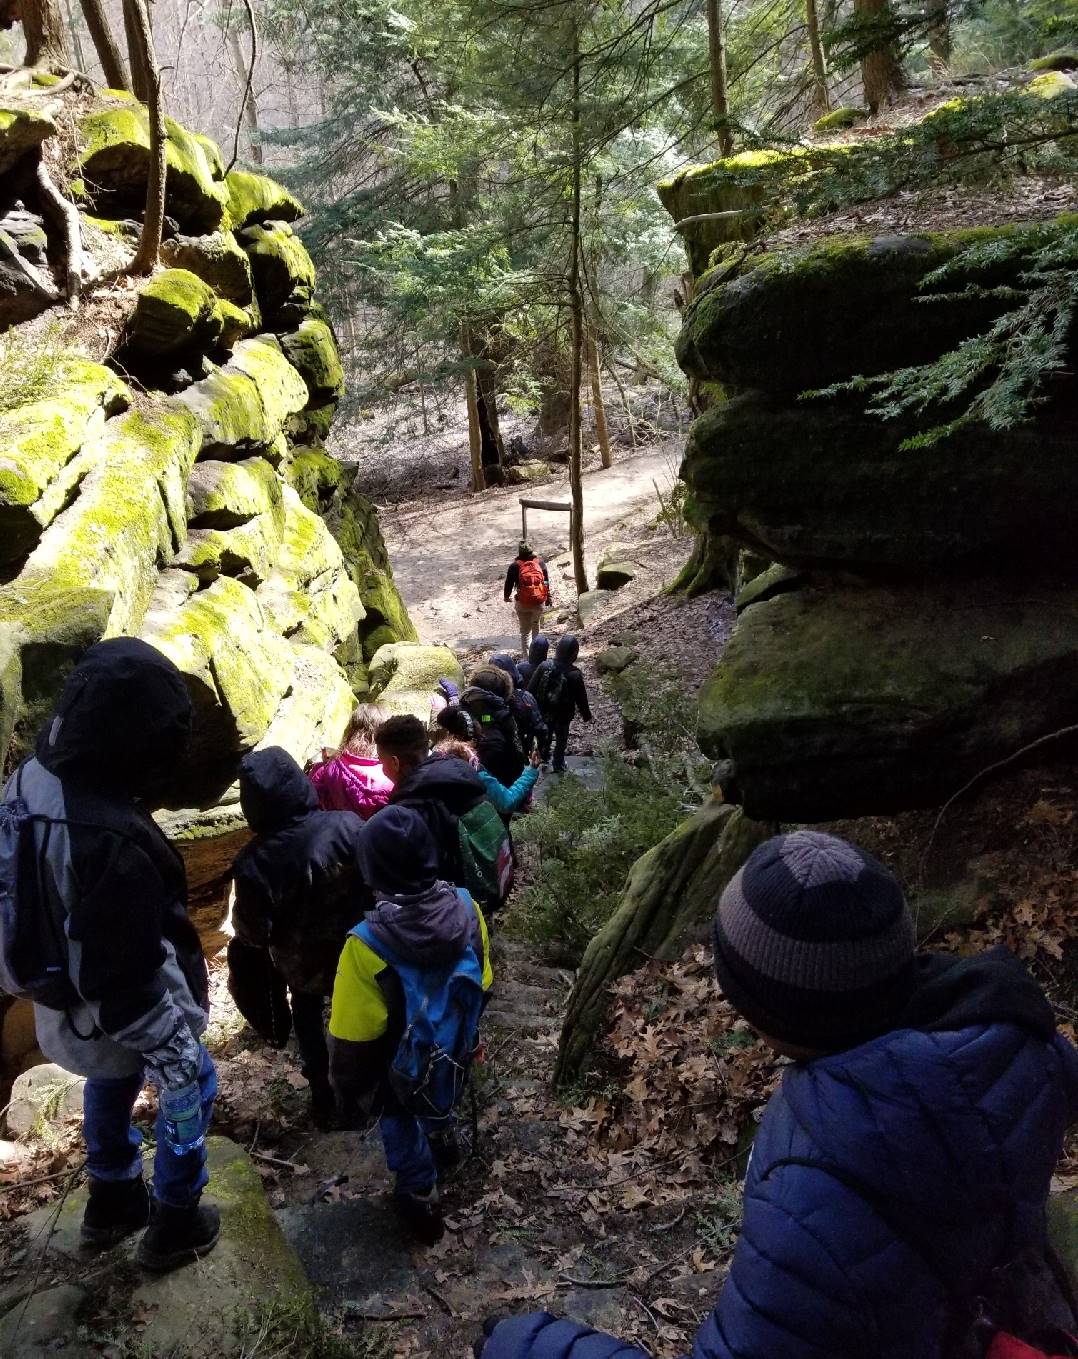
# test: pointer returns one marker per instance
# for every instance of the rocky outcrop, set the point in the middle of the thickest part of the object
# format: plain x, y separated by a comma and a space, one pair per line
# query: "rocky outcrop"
193, 515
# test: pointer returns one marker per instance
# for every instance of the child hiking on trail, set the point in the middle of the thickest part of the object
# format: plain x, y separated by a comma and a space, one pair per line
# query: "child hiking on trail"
894, 1206
530, 723
471, 841
298, 893
560, 691
537, 654
488, 697
409, 991
120, 987
460, 727
529, 578
352, 780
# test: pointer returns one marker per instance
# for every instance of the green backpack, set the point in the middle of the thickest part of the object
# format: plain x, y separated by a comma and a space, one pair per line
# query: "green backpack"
486, 855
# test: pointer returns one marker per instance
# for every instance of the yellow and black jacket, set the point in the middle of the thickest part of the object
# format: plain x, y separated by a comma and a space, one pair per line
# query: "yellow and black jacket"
367, 1017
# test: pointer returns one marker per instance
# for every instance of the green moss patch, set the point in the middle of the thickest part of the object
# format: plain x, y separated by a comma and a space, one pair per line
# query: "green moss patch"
217, 259
312, 351
254, 199
243, 406
283, 270
22, 129
838, 120
175, 311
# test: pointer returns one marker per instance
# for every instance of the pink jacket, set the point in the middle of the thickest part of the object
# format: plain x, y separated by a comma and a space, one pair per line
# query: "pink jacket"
350, 783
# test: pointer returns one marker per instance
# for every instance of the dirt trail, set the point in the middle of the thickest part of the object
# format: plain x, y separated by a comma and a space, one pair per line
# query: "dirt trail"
449, 560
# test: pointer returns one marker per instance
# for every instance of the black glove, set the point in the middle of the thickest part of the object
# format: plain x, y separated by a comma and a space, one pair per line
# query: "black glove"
488, 1331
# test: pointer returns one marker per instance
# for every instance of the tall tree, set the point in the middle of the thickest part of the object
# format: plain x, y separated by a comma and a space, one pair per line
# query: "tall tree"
720, 98
939, 32
881, 71
134, 31
43, 29
819, 60
576, 309
108, 52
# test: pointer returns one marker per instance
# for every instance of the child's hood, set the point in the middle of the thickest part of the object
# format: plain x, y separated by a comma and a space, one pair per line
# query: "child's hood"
274, 790
429, 928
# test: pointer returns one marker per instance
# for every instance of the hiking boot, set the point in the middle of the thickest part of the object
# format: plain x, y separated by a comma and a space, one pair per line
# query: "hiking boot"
445, 1148
114, 1209
176, 1236
323, 1106
422, 1214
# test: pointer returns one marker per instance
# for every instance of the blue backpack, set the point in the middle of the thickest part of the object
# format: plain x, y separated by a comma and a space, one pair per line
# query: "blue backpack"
442, 1007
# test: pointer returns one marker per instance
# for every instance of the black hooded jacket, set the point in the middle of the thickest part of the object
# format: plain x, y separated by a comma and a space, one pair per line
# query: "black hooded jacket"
117, 888
298, 885
498, 737
443, 789
558, 684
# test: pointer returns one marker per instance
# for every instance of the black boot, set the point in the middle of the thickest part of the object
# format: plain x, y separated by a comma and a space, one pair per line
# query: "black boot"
422, 1214
114, 1209
176, 1236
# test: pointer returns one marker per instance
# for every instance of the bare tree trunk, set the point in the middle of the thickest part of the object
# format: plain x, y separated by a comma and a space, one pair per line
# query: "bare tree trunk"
475, 437
141, 84
881, 72
716, 50
939, 33
250, 105
576, 307
108, 53
144, 59
819, 60
76, 41
612, 370
43, 29
597, 403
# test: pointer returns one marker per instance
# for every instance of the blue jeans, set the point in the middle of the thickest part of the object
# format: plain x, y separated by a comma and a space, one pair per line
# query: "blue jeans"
408, 1153
114, 1147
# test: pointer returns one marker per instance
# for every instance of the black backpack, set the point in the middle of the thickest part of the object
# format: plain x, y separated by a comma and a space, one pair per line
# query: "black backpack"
551, 687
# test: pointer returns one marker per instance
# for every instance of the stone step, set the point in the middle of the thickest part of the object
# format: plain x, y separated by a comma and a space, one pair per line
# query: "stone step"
529, 1021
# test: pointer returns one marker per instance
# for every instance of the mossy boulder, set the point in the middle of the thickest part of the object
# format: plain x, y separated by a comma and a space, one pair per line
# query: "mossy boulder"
775, 580
247, 551
1050, 85
237, 323
826, 484
224, 495
312, 426
312, 351
325, 487
800, 319
851, 700
39, 439
255, 199
243, 406
283, 270
310, 596
839, 120
316, 707
237, 668
115, 161
612, 660
590, 603
616, 568
1066, 59
217, 259
94, 570
404, 676
175, 312
22, 130
672, 892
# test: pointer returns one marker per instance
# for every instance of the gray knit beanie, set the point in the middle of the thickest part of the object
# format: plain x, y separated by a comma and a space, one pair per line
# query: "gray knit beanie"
814, 942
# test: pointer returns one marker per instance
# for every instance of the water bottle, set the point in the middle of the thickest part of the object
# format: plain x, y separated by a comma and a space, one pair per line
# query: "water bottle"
181, 1111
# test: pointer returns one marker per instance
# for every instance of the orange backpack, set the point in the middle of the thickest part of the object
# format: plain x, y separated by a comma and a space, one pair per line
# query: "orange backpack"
531, 584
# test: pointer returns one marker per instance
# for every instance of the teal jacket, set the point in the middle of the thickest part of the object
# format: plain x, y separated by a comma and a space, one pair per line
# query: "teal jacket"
509, 800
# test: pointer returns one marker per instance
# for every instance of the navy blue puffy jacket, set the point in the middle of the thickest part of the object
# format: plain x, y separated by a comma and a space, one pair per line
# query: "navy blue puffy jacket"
942, 1137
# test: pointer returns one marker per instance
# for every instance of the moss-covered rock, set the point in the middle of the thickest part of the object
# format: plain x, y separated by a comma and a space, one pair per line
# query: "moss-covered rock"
115, 161
775, 580
672, 891
826, 484
237, 669
1050, 85
283, 270
225, 494
237, 323
255, 199
616, 568
1066, 59
858, 700
314, 711
310, 596
247, 552
312, 351
243, 406
217, 259
410, 667
839, 120
800, 319
94, 570
325, 487
175, 312
22, 129
312, 426
39, 439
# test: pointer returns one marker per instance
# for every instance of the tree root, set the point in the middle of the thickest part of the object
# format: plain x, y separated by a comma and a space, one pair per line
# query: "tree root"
65, 217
